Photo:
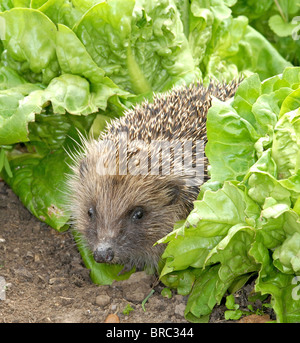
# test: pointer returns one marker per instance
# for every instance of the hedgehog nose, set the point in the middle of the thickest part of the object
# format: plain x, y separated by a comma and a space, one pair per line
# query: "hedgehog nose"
103, 254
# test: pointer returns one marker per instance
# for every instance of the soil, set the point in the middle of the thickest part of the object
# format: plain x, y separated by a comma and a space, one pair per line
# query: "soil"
43, 279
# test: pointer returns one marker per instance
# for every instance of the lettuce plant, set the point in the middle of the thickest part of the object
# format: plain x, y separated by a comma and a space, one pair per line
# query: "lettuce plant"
246, 219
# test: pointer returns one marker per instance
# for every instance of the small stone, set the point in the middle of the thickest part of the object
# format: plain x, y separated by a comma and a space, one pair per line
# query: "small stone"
140, 277
102, 300
24, 273
136, 297
36, 228
179, 298
41, 278
179, 310
2, 288
56, 280
66, 301
29, 255
137, 287
112, 318
37, 258
113, 307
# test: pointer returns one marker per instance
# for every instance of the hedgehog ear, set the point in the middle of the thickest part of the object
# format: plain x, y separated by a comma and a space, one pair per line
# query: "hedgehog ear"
174, 190
179, 193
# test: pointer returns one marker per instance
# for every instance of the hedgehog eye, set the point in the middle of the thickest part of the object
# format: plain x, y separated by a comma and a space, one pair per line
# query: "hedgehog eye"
137, 214
91, 212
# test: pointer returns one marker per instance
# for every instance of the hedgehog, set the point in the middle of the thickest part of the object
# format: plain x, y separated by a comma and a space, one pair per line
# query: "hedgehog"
131, 185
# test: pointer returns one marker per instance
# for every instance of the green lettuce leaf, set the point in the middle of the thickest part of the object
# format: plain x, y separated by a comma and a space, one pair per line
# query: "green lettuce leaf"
35, 59
208, 290
145, 49
230, 154
74, 59
224, 46
232, 253
16, 113
286, 257
59, 11
286, 143
46, 160
282, 287
31, 174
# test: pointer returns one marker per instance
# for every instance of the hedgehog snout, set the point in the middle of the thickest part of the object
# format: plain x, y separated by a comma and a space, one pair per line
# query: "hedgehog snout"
103, 253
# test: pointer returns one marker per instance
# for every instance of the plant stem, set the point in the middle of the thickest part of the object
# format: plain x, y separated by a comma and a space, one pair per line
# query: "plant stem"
280, 11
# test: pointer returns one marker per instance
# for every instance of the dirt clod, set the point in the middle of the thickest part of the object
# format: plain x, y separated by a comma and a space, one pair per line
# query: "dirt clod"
102, 300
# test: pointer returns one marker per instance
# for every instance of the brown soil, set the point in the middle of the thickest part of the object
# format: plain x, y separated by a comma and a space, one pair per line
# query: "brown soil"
46, 281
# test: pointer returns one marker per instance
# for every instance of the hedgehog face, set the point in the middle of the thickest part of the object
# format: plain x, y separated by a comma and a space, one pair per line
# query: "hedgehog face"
121, 216
122, 229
